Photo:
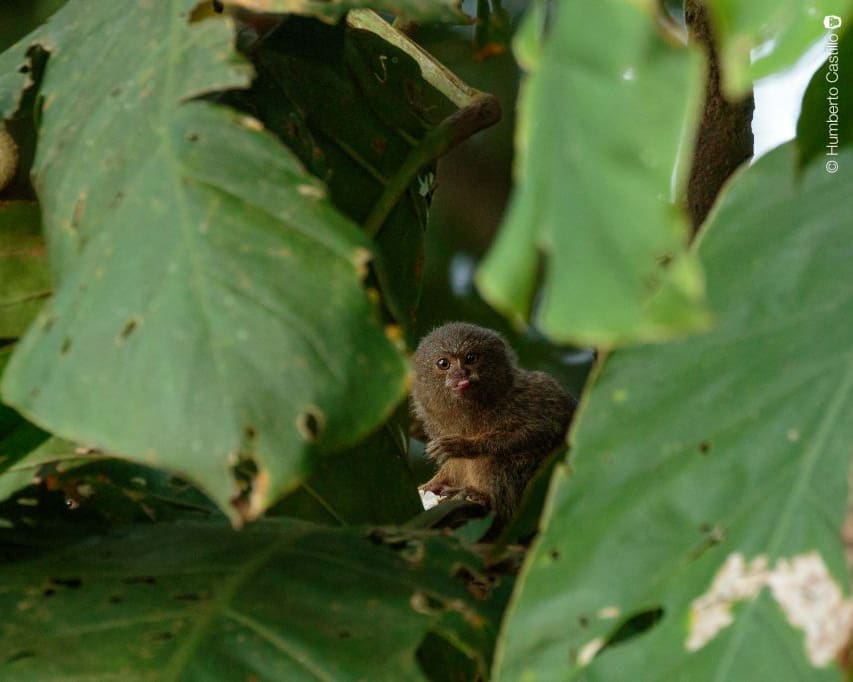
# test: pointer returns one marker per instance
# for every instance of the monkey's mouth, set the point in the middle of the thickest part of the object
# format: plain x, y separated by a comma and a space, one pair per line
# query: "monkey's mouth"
461, 386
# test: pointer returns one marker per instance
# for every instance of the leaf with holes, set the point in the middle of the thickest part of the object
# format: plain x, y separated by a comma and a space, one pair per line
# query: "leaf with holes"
713, 514
209, 315
280, 600
598, 141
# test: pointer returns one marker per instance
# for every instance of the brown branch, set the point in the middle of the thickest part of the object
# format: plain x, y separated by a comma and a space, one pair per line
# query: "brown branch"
724, 136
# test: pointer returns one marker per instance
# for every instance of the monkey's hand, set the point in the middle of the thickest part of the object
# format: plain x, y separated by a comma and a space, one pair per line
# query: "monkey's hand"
446, 447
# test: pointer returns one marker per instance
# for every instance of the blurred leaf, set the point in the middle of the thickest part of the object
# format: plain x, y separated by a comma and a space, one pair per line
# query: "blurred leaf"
781, 31
24, 274
827, 88
279, 600
732, 446
411, 10
598, 140
208, 307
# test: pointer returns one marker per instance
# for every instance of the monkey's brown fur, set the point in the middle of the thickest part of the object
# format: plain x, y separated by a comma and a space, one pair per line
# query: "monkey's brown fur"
489, 424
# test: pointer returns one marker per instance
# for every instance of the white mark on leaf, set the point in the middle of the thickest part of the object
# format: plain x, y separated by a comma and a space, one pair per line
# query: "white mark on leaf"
312, 191
251, 123
736, 581
609, 612
813, 603
589, 650
802, 586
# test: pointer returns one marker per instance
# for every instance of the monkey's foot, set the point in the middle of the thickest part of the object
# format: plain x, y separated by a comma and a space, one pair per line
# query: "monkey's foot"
436, 486
472, 495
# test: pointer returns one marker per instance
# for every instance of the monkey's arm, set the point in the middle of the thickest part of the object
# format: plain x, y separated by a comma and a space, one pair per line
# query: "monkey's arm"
494, 444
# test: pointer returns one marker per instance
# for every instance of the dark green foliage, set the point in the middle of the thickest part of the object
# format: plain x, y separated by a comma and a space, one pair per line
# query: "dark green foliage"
210, 275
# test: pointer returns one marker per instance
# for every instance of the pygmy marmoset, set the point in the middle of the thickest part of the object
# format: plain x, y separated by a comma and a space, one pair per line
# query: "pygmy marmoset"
488, 423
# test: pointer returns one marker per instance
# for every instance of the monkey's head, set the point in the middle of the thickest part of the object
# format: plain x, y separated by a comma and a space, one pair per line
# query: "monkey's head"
463, 362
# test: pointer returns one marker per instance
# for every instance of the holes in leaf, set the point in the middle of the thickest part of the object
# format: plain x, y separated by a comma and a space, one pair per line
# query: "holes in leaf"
188, 596
310, 423
115, 599
129, 327
70, 583
713, 535
140, 580
425, 604
66, 346
344, 634
245, 473
24, 68
477, 584
635, 625
413, 553
20, 655
705, 447
164, 636
554, 554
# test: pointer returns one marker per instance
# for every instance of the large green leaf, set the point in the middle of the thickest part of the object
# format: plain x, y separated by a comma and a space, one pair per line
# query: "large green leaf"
277, 601
208, 309
598, 141
779, 30
700, 463
24, 274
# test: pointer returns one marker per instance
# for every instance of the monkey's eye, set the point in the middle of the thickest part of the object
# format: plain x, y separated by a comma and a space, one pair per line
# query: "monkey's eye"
443, 363
471, 358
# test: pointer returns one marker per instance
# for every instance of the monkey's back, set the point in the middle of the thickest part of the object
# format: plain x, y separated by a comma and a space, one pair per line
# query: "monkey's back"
540, 410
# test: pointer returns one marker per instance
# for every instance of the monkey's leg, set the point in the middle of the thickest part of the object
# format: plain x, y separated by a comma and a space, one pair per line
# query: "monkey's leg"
508, 484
